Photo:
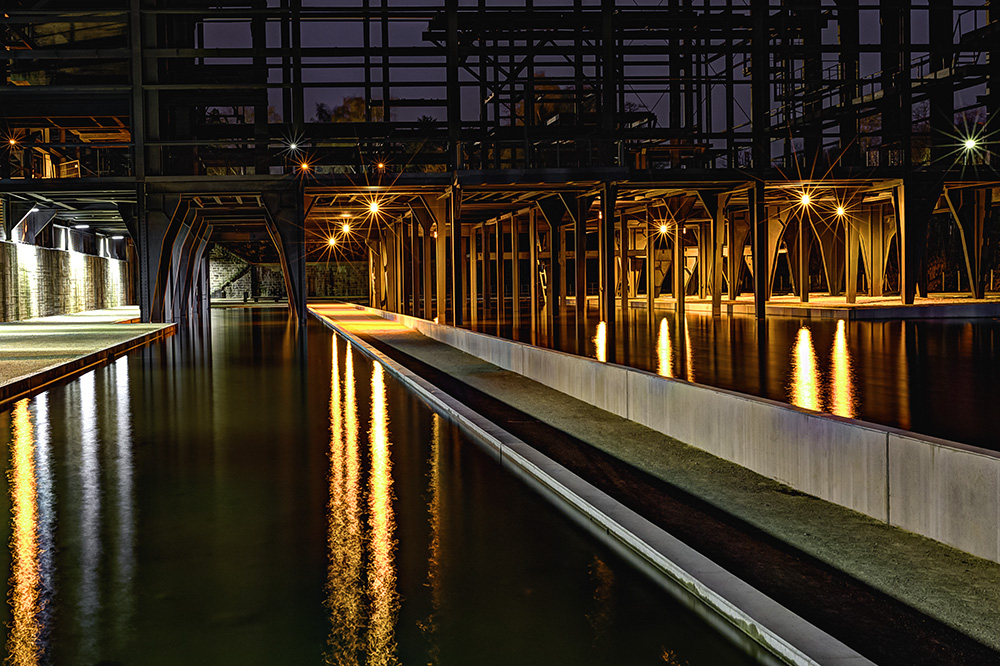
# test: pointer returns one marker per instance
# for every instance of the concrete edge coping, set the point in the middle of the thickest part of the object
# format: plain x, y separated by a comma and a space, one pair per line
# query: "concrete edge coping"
27, 385
747, 397
749, 617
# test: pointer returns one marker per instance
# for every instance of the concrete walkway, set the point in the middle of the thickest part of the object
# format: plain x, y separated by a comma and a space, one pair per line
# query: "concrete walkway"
872, 572
37, 352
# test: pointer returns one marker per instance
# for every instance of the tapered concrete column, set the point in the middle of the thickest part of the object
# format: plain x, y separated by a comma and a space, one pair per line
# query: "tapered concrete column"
487, 275
414, 266
457, 255
852, 242
761, 263
738, 231
623, 254
500, 275
580, 261
804, 247
159, 219
831, 248
515, 268
678, 272
188, 251
425, 266
609, 197
650, 263
915, 201
533, 264
285, 221
474, 276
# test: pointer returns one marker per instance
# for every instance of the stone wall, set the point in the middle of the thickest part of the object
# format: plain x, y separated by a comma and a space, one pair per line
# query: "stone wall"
38, 282
231, 276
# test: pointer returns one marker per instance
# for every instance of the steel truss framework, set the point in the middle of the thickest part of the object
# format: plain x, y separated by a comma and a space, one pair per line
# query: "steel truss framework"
463, 140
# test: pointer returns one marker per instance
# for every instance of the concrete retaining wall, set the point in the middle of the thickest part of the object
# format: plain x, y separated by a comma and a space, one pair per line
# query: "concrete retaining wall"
39, 282
943, 490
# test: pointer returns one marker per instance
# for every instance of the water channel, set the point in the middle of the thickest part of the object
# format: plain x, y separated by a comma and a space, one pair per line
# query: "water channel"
939, 377
239, 494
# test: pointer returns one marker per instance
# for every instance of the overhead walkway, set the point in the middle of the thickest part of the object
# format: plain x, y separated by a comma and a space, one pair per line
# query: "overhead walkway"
889, 596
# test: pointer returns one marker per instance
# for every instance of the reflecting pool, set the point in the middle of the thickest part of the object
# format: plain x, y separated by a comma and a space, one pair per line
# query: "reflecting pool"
246, 495
936, 377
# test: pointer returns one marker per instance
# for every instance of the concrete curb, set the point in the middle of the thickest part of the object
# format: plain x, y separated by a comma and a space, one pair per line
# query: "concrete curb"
764, 628
27, 385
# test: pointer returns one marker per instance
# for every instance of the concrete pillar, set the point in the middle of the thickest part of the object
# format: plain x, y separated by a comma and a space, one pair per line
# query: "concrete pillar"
487, 274
852, 243
831, 249
804, 247
761, 241
678, 274
580, 261
623, 262
159, 219
474, 276
737, 232
533, 265
285, 222
425, 266
457, 256
609, 198
500, 275
515, 268
414, 266
914, 200
650, 263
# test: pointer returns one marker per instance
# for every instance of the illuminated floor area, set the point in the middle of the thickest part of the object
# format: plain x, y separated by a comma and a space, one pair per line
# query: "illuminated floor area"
46, 344
884, 565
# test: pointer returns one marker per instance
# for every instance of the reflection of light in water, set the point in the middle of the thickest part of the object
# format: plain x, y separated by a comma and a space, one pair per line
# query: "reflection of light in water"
601, 617
46, 499
343, 585
90, 517
429, 627
124, 564
842, 401
664, 353
805, 374
23, 645
690, 351
601, 342
383, 600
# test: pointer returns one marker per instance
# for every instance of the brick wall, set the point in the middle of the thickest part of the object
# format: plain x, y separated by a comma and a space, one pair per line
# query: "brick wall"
38, 282
341, 279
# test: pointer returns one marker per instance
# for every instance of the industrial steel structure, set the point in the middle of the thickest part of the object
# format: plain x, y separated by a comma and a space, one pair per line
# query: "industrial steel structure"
470, 149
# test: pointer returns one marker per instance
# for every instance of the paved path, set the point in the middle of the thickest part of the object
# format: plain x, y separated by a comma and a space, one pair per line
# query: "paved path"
894, 596
38, 351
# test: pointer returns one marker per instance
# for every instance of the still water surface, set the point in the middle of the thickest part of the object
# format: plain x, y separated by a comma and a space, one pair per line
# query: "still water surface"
241, 495
936, 377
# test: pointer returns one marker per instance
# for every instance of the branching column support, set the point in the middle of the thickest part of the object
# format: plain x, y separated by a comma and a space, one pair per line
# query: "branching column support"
970, 207
188, 250
159, 218
580, 260
915, 200
285, 221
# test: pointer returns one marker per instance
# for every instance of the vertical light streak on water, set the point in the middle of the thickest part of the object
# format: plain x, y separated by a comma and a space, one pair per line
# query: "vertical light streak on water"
23, 644
804, 389
343, 585
664, 352
690, 351
46, 509
842, 399
90, 519
124, 550
382, 596
903, 380
430, 626
601, 342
